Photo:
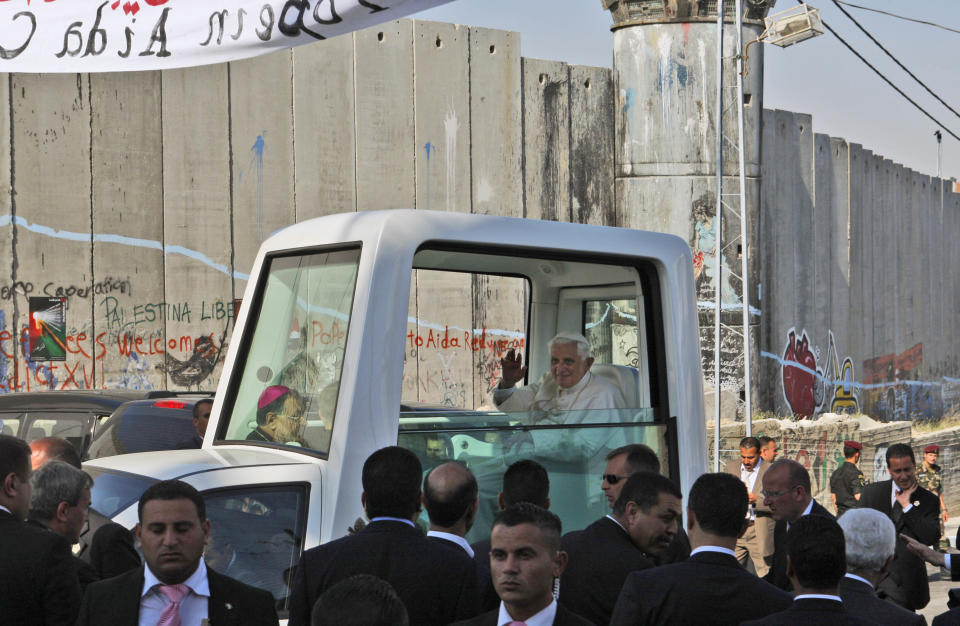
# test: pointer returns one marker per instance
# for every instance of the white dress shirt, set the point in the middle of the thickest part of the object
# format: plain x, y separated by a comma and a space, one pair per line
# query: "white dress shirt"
713, 549
457, 539
543, 618
193, 607
749, 478
894, 490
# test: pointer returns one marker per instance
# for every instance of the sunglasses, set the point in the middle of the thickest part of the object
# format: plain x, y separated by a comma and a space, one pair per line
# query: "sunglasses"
612, 479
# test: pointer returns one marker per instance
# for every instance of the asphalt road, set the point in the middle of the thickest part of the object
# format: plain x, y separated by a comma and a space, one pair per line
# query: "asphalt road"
941, 585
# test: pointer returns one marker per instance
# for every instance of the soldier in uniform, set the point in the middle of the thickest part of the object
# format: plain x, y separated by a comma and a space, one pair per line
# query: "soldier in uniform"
847, 481
930, 477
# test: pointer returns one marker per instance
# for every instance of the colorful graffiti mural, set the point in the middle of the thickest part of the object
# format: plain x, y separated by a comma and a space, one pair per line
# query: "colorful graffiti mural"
894, 389
813, 385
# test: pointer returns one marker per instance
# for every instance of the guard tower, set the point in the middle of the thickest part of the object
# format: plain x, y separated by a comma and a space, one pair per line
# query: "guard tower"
665, 66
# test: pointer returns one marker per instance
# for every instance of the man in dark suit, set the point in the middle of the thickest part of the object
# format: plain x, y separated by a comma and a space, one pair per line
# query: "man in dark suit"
201, 417
526, 559
524, 481
60, 503
870, 543
815, 566
38, 583
786, 491
756, 544
915, 512
711, 587
630, 459
436, 584
175, 582
107, 547
601, 556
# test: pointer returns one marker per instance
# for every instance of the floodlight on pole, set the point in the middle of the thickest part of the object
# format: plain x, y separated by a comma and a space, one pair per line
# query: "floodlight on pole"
792, 26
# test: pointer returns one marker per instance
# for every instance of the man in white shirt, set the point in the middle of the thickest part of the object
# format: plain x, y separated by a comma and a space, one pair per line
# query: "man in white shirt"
710, 587
175, 584
756, 544
525, 560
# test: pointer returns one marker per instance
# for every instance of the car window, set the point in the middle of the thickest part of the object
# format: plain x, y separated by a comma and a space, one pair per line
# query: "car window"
291, 373
572, 454
112, 492
10, 423
144, 426
256, 534
69, 426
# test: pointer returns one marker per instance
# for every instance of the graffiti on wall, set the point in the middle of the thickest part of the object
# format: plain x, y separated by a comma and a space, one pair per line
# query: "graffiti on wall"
813, 385
705, 254
894, 389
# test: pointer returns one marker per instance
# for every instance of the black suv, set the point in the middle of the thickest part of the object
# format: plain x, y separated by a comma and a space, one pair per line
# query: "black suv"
73, 415
147, 425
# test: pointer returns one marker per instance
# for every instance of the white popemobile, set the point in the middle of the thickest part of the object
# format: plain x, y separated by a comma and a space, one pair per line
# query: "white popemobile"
323, 369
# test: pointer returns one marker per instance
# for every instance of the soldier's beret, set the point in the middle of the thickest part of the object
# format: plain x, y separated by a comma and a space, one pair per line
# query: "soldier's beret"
853, 444
931, 448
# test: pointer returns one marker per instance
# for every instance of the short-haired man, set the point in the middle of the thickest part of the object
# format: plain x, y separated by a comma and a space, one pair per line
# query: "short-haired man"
815, 565
568, 386
711, 587
524, 481
621, 464
756, 544
201, 417
61, 503
643, 523
768, 449
175, 585
279, 416
360, 600
870, 542
847, 482
915, 512
930, 477
38, 583
786, 492
526, 559
436, 584
105, 545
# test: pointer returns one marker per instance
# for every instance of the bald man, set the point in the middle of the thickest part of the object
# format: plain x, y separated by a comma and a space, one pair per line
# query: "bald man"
53, 449
450, 497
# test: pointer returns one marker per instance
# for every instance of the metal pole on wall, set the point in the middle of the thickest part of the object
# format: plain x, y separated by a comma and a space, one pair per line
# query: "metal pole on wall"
745, 270
718, 237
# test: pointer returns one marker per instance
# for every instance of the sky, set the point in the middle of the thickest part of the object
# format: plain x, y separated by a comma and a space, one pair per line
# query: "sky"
820, 76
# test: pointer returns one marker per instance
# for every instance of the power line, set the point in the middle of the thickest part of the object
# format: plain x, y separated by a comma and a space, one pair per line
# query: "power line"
901, 17
895, 60
887, 80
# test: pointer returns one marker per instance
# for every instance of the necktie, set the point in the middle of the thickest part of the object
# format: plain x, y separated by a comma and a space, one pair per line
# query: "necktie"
171, 613
897, 509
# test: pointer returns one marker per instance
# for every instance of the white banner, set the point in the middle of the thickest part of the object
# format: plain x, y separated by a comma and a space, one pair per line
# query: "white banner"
125, 35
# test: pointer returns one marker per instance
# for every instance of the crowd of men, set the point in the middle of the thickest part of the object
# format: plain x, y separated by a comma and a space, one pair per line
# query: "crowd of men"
651, 560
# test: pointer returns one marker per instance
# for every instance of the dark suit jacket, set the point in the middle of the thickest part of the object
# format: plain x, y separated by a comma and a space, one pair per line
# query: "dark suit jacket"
486, 595
38, 582
563, 618
436, 584
116, 601
777, 575
709, 588
108, 547
906, 584
599, 559
808, 611
860, 599
950, 618
83, 570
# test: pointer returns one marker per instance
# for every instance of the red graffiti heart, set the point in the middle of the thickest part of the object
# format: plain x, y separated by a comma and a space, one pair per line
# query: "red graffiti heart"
798, 383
